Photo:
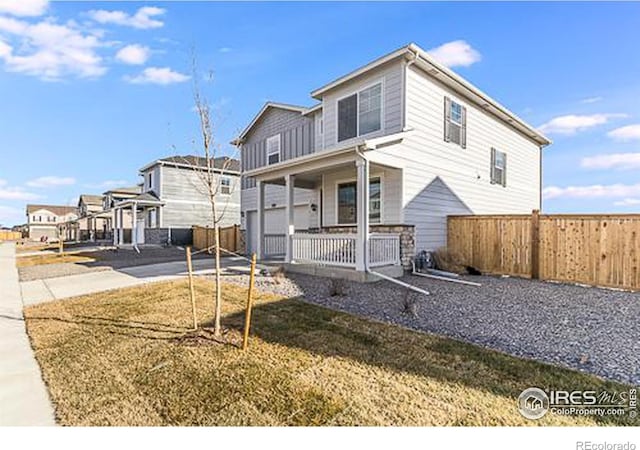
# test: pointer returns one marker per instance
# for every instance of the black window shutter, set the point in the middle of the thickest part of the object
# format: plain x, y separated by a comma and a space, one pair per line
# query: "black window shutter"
347, 117
463, 131
493, 166
447, 119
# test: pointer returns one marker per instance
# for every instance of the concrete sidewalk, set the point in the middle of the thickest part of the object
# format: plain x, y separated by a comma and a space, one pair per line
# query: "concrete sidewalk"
24, 399
39, 291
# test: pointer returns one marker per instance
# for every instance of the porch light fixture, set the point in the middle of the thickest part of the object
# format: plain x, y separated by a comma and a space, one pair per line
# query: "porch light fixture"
314, 207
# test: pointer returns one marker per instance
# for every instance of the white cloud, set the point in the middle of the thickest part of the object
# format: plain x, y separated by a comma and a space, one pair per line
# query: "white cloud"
628, 202
612, 161
24, 7
11, 216
157, 75
142, 19
628, 133
572, 123
593, 191
133, 54
51, 181
590, 100
50, 50
225, 49
455, 54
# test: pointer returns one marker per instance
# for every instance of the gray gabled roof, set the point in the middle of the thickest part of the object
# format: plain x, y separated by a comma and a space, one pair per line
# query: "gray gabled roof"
89, 199
220, 163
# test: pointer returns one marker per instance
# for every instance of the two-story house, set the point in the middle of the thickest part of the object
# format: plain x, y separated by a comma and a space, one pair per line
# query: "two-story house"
43, 220
367, 176
173, 198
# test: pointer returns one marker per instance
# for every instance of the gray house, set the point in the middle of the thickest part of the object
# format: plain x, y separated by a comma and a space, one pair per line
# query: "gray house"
367, 176
174, 198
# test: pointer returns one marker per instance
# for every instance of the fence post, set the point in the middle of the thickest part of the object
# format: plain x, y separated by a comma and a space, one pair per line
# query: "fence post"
535, 244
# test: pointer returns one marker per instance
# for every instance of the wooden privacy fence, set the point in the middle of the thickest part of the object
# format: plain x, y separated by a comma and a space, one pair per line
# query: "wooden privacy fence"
598, 249
230, 238
10, 235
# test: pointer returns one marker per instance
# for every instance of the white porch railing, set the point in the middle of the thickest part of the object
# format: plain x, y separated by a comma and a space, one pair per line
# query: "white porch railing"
384, 249
274, 245
337, 249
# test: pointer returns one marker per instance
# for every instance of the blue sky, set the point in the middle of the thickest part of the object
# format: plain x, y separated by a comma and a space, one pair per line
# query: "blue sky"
92, 91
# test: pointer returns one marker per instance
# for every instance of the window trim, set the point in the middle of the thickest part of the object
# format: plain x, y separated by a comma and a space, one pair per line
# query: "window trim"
269, 153
493, 166
379, 81
339, 182
222, 185
459, 123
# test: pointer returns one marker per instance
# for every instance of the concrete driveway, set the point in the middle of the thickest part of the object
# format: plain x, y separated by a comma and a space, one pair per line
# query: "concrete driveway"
39, 291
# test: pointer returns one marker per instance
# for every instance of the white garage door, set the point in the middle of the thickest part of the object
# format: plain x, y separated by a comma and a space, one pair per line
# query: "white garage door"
275, 223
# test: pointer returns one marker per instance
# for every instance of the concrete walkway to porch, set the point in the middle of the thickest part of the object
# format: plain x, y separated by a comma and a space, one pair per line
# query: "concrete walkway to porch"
50, 289
24, 399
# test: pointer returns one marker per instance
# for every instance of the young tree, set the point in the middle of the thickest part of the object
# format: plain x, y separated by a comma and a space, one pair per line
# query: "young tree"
211, 172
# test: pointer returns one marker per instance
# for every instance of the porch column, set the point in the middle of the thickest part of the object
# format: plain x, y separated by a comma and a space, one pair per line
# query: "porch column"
289, 214
114, 227
134, 224
362, 214
121, 227
259, 232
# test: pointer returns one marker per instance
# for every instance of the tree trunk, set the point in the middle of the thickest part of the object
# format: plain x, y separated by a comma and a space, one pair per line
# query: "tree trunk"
217, 331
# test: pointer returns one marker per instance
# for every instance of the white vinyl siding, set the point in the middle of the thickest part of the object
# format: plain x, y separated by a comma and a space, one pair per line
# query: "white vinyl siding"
273, 149
440, 180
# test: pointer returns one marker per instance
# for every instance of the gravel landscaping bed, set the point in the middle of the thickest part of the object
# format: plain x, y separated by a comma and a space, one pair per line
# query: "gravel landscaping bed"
588, 329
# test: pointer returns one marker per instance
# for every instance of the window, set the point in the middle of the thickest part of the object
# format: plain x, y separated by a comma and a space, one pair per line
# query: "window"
348, 117
225, 185
360, 113
370, 109
347, 202
149, 180
498, 167
455, 122
273, 149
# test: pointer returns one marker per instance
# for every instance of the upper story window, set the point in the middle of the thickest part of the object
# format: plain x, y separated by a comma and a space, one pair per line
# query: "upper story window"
498, 167
225, 185
149, 180
273, 149
360, 113
455, 122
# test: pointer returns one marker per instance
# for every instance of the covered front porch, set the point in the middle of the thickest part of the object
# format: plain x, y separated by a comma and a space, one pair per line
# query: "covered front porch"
142, 211
354, 216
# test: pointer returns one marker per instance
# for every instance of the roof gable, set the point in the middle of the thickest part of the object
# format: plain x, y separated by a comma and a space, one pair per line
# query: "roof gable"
267, 106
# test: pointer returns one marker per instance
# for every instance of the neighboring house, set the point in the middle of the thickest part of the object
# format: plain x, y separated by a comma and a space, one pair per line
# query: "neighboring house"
368, 176
43, 220
173, 199
92, 223
112, 197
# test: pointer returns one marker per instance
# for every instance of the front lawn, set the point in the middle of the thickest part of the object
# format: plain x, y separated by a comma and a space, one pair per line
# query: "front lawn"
128, 358
52, 258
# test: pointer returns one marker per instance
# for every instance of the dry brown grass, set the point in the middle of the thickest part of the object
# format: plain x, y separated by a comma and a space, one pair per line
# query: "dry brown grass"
53, 258
128, 358
32, 247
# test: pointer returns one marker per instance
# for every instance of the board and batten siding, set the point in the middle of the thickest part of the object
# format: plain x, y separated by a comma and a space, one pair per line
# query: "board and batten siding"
391, 75
186, 202
441, 178
297, 138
